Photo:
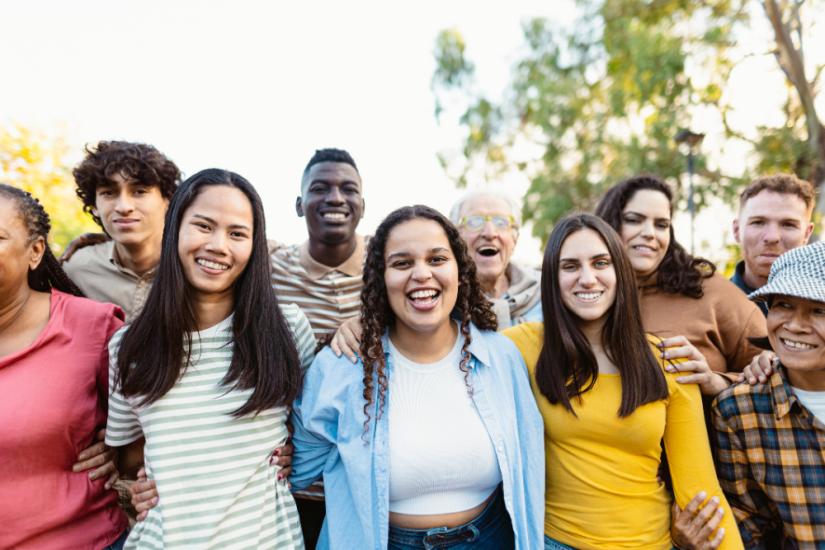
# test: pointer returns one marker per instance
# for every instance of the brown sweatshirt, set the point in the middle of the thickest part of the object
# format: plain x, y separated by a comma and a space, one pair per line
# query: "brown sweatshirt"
718, 324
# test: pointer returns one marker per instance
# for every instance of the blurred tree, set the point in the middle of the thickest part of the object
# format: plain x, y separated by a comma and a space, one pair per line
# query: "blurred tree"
604, 99
37, 162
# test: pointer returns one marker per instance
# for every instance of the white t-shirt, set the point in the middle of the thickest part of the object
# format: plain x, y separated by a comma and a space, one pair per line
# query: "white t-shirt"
814, 401
441, 457
216, 487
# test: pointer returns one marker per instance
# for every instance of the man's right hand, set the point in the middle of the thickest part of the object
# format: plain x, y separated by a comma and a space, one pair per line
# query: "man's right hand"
84, 240
760, 369
144, 495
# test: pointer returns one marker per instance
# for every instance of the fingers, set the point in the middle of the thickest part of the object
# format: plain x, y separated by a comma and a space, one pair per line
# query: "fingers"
113, 477
141, 475
144, 495
94, 457
714, 519
693, 506
688, 366
91, 452
760, 369
717, 539
284, 472
105, 470
673, 341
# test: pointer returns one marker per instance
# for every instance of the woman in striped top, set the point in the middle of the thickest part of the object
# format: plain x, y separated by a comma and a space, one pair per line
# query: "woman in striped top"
201, 381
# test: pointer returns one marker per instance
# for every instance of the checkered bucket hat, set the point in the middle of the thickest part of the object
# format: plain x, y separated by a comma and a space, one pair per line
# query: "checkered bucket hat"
799, 272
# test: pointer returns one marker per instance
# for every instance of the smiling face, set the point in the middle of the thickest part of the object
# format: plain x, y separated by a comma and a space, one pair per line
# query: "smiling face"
645, 230
796, 330
587, 278
490, 246
215, 241
768, 225
18, 252
421, 276
131, 213
331, 201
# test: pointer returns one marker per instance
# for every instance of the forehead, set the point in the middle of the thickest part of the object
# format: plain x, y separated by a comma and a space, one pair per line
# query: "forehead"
484, 205
649, 202
10, 215
584, 243
416, 236
332, 172
222, 203
770, 204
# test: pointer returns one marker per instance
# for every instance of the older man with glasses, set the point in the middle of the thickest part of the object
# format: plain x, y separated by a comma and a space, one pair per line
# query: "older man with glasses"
489, 222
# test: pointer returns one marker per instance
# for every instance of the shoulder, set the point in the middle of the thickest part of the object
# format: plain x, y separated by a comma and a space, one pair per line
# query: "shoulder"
525, 334
294, 316
283, 254
329, 370
722, 289
89, 257
89, 312
743, 398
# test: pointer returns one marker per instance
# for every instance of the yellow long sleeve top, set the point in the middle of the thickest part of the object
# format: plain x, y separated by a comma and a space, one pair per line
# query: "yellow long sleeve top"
602, 489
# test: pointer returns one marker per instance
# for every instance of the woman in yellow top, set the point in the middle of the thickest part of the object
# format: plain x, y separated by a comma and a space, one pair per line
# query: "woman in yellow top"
608, 404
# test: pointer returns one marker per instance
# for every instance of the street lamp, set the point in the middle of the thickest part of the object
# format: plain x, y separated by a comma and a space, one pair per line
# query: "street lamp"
693, 141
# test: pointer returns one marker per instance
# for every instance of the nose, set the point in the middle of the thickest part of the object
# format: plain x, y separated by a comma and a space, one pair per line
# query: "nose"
587, 277
798, 322
489, 230
771, 233
421, 271
124, 203
648, 231
216, 243
334, 195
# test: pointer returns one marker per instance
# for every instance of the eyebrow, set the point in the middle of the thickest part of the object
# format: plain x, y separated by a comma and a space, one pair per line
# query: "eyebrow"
213, 222
644, 215
404, 253
594, 257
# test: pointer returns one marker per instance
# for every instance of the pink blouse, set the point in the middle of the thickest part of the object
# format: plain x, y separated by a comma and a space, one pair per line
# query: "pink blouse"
53, 398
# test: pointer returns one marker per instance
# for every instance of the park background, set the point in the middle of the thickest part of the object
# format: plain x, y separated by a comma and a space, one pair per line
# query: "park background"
547, 100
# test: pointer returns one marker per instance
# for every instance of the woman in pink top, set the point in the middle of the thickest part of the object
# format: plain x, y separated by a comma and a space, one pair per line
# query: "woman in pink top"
54, 388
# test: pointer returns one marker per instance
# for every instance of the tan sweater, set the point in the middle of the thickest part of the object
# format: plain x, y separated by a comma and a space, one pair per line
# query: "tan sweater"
719, 323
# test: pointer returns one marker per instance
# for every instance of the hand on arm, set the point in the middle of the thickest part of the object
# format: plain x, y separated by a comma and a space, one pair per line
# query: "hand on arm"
347, 339
100, 459
84, 240
760, 369
691, 528
682, 356
144, 494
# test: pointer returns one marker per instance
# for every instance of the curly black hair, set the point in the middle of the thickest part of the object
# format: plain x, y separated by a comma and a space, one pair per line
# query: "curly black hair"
679, 272
135, 161
377, 316
330, 154
48, 274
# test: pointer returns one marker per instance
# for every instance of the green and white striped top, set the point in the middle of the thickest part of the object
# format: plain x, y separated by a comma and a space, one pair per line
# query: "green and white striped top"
216, 487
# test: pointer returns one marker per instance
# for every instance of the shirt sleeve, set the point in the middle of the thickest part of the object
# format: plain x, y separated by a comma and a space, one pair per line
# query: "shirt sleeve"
302, 334
689, 456
122, 425
750, 505
742, 350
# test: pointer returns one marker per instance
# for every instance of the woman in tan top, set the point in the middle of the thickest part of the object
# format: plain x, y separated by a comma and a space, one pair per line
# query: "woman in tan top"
681, 296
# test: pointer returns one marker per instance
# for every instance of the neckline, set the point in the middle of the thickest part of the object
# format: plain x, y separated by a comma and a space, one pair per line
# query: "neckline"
47, 329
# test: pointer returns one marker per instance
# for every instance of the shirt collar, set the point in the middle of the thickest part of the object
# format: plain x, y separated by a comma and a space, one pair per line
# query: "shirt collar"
739, 278
478, 346
352, 266
114, 259
783, 397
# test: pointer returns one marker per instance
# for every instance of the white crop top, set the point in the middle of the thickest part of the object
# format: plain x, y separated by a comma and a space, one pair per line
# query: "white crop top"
441, 457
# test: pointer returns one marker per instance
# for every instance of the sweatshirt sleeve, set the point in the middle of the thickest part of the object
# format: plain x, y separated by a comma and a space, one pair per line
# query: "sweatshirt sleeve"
689, 456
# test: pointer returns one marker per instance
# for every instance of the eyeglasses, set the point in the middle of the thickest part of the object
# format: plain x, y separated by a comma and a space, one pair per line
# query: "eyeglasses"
476, 222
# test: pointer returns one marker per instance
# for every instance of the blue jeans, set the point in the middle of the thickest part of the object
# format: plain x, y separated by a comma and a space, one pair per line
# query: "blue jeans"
490, 530
553, 544
118, 544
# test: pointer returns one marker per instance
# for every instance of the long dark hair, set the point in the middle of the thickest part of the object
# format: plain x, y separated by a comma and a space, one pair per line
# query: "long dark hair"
48, 274
154, 351
679, 272
567, 366
376, 315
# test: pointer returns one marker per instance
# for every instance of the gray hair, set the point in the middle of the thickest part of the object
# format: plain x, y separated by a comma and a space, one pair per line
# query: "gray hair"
513, 204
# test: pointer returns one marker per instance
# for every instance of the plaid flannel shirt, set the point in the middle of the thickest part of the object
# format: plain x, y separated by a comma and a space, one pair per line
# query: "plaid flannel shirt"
771, 463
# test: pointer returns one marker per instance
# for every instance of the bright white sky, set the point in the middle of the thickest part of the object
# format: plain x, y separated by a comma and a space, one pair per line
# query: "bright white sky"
257, 86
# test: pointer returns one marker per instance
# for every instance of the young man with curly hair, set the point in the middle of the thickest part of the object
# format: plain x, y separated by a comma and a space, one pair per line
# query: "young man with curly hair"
126, 188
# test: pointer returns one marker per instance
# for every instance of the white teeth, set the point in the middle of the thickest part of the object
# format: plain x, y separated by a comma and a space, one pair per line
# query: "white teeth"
588, 295
336, 216
211, 265
418, 294
802, 346
643, 247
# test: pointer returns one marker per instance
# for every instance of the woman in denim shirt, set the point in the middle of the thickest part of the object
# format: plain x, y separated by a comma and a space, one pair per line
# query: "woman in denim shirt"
436, 440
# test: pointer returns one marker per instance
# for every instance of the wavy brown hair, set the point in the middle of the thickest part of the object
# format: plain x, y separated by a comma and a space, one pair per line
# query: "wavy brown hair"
376, 315
679, 272
567, 366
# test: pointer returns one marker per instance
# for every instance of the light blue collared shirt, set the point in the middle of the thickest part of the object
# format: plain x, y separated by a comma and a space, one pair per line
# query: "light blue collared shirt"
329, 424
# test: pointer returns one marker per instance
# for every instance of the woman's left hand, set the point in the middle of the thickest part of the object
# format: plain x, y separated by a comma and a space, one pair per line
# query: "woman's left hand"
282, 457
100, 459
689, 359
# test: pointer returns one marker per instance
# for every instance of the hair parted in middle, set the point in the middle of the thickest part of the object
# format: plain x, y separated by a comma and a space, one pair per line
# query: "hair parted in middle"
154, 351
679, 272
376, 315
567, 366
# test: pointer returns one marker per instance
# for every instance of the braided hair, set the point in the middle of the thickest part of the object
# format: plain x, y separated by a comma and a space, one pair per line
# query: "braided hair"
377, 316
48, 274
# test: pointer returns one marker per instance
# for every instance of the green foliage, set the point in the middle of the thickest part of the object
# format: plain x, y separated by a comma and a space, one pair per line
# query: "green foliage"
603, 100
37, 162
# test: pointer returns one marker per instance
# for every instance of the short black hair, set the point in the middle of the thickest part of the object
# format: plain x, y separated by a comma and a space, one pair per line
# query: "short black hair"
330, 154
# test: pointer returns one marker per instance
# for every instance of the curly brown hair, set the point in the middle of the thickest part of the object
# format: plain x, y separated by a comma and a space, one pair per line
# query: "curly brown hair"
376, 315
136, 161
679, 272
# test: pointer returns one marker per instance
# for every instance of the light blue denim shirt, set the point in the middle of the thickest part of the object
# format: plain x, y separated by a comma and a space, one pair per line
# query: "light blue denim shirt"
329, 423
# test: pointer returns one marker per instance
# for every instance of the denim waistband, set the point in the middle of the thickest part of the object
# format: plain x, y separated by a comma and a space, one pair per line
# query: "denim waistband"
493, 512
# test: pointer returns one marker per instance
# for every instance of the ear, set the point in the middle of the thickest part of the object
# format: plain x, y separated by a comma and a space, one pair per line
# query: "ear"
36, 251
808, 231
299, 207
736, 230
